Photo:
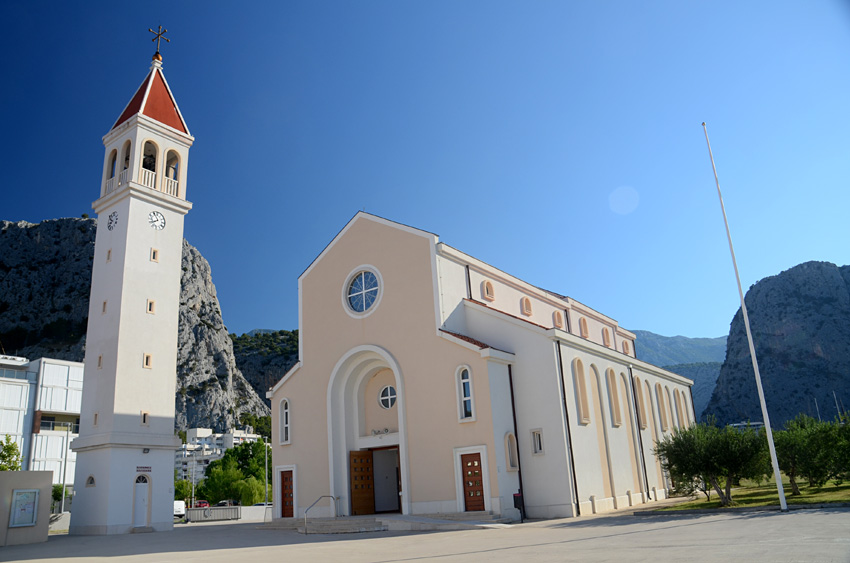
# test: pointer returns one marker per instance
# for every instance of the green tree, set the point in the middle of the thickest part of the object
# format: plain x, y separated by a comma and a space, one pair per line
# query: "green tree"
182, 489
707, 454
251, 491
807, 447
262, 424
684, 457
220, 484
248, 458
56, 494
842, 449
10, 455
819, 462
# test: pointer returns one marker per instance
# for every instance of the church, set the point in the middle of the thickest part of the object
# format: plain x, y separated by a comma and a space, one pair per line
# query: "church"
430, 382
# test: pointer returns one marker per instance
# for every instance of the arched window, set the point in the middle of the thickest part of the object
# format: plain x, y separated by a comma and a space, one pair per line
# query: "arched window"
113, 162
172, 165
465, 401
582, 327
641, 405
284, 421
487, 291
669, 406
606, 337
149, 157
147, 175
141, 479
511, 452
613, 398
557, 319
90, 481
125, 163
626, 347
172, 173
581, 392
525, 306
662, 409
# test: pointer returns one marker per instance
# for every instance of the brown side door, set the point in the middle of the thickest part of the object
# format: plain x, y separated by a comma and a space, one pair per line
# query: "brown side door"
362, 483
286, 508
473, 487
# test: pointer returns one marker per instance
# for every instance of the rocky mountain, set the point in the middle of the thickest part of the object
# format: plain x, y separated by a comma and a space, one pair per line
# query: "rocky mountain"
800, 321
264, 356
674, 350
698, 359
45, 274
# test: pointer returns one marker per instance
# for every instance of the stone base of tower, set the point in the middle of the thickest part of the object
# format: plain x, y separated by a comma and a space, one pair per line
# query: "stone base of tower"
121, 490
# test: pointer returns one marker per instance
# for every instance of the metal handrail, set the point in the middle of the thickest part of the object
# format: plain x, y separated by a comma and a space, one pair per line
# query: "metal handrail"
314, 504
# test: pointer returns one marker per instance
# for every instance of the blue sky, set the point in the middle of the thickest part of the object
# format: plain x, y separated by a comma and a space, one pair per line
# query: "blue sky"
558, 141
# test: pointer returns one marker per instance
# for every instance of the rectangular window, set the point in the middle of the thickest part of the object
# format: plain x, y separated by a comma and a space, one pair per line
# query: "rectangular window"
151, 307
146, 419
109, 255
537, 441
95, 420
100, 361
154, 255
148, 361
103, 309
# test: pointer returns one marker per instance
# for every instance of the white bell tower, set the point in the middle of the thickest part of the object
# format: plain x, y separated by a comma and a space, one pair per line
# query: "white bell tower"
125, 450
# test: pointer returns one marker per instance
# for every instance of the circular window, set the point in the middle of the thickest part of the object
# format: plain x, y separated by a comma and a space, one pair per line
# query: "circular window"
387, 397
363, 291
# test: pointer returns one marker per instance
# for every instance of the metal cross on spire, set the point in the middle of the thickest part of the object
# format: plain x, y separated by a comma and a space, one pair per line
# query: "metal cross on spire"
159, 36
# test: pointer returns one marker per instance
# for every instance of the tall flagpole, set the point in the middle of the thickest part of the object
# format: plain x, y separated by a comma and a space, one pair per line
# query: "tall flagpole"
777, 476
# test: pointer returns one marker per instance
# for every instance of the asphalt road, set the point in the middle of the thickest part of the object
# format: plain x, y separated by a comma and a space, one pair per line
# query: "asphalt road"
800, 535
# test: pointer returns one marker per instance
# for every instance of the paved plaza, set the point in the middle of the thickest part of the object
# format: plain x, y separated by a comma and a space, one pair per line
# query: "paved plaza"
800, 535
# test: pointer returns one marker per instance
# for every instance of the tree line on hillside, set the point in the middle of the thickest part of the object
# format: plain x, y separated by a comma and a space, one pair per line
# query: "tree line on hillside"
706, 457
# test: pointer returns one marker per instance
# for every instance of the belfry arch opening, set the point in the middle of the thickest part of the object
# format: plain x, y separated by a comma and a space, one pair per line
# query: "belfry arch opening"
368, 468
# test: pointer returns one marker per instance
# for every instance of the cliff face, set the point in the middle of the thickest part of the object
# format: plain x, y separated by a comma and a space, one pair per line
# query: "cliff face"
45, 276
264, 357
211, 391
800, 321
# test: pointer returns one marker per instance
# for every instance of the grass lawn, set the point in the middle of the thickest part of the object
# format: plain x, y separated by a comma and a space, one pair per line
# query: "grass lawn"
753, 494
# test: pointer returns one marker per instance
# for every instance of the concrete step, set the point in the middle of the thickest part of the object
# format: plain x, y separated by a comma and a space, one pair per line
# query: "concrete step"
468, 517
342, 525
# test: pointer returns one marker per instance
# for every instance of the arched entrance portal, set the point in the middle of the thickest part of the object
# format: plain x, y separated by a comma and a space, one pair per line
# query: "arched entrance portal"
367, 434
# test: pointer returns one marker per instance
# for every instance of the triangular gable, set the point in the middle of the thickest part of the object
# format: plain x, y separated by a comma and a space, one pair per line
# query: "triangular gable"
362, 215
154, 99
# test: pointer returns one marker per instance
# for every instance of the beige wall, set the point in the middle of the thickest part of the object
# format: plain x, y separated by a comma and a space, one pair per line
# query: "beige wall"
11, 480
404, 325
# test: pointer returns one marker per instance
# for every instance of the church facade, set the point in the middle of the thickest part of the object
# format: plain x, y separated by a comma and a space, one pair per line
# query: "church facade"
431, 382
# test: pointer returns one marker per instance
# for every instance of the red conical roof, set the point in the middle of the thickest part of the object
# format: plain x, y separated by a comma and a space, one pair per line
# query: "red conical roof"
154, 99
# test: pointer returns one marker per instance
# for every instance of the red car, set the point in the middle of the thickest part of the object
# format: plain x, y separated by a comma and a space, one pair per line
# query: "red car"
202, 504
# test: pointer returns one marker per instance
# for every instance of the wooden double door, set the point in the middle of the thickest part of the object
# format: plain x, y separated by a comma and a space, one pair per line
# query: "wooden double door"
374, 480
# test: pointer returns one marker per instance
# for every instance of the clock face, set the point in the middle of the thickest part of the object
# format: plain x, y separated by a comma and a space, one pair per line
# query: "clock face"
156, 220
113, 220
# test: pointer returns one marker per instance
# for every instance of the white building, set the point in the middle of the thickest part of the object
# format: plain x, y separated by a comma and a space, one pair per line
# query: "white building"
40, 410
203, 446
431, 382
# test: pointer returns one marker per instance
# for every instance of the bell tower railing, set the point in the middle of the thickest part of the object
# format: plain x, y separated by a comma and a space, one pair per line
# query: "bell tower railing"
147, 178
169, 186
